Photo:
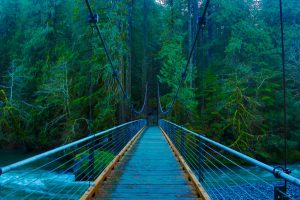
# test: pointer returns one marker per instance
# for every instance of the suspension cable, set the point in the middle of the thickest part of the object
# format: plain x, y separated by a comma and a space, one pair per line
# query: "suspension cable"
158, 100
184, 73
145, 102
93, 18
284, 92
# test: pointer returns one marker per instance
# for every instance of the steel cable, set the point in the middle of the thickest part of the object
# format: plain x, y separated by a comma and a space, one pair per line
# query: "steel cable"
62, 164
114, 69
184, 73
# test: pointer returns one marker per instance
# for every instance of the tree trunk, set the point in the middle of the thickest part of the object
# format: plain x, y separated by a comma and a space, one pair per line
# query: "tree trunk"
172, 15
145, 41
190, 38
195, 27
129, 55
122, 98
209, 32
67, 91
145, 45
12, 81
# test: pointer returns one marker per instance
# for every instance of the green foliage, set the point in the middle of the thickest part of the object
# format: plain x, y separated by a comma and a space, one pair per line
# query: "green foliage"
243, 119
50, 104
233, 90
173, 62
101, 161
11, 121
242, 93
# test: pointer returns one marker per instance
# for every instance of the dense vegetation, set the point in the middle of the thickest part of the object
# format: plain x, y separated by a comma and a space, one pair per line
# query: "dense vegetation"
50, 60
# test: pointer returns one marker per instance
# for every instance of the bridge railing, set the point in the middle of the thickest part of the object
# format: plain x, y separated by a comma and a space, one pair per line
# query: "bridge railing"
67, 171
226, 173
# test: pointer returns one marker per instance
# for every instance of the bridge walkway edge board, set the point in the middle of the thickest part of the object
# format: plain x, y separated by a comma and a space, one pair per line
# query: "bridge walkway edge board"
149, 170
91, 191
191, 176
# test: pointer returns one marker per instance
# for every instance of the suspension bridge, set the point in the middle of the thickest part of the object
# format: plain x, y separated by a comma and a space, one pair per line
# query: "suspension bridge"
135, 161
142, 160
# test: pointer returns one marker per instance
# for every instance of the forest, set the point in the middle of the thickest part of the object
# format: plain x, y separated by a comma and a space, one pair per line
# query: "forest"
56, 84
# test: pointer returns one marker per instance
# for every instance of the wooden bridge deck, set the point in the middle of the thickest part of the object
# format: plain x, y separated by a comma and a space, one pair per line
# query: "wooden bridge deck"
148, 171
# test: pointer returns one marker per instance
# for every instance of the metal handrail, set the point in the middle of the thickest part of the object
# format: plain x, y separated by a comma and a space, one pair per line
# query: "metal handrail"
59, 149
83, 160
273, 170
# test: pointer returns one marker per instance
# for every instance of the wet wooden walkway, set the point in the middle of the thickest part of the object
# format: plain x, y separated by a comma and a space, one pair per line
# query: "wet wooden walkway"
148, 171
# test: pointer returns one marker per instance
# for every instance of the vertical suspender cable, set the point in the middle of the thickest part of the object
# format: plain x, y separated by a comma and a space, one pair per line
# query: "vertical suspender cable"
91, 91
202, 70
284, 90
92, 148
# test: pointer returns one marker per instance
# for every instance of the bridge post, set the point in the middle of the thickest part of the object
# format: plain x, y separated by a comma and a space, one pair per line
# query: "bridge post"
123, 135
91, 171
182, 143
173, 130
168, 130
130, 131
177, 133
280, 193
200, 161
114, 140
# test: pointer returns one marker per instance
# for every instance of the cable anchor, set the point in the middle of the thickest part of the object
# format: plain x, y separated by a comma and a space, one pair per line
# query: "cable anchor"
183, 75
93, 18
115, 74
131, 106
202, 22
126, 96
276, 172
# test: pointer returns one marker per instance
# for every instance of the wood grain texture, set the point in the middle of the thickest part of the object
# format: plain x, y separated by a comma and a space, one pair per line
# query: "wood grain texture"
148, 171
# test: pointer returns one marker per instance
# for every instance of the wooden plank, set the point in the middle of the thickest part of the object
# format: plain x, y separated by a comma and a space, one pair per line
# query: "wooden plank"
133, 196
145, 197
148, 171
155, 189
127, 178
201, 191
92, 190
